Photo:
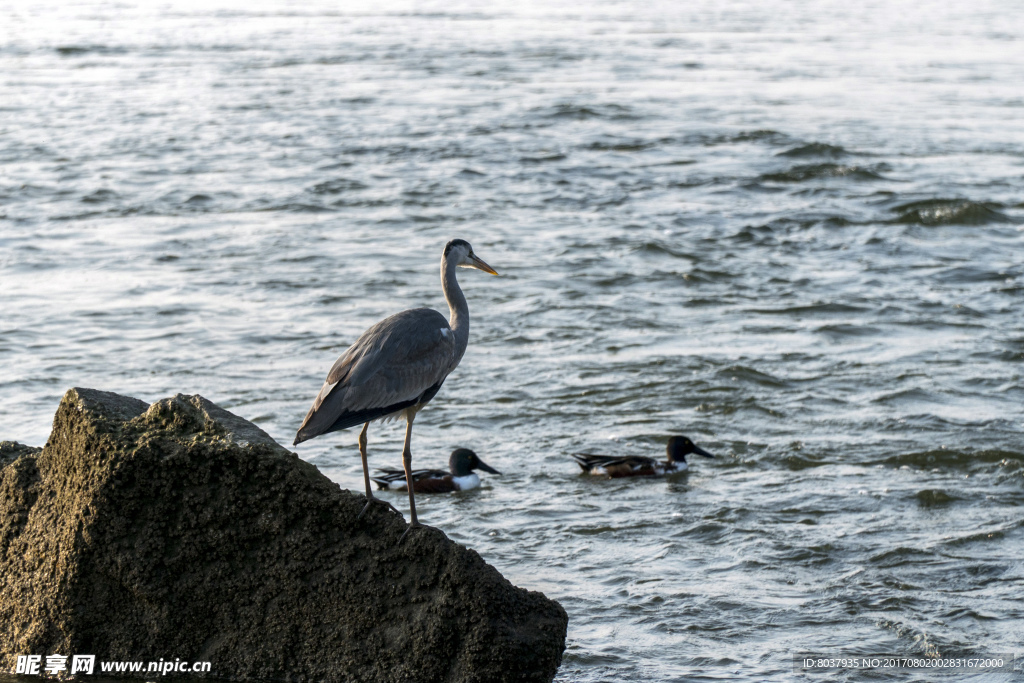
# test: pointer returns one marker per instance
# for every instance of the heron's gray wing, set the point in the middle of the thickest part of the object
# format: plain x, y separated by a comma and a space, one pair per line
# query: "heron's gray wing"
390, 367
404, 356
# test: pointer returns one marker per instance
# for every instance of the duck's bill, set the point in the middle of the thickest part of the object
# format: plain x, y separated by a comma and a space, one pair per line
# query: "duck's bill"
700, 451
481, 465
479, 264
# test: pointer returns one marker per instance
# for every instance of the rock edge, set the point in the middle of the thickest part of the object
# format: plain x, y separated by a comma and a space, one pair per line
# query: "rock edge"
180, 530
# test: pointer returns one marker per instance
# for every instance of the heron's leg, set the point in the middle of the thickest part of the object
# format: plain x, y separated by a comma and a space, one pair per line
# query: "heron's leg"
370, 498
366, 470
407, 462
362, 454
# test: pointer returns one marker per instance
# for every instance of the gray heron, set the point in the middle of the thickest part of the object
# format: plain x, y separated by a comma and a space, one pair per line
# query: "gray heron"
395, 368
638, 465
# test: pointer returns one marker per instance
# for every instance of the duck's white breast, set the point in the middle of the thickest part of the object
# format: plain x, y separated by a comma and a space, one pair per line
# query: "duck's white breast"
470, 481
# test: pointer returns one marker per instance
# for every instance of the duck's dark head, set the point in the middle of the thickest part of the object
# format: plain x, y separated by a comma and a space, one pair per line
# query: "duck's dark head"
680, 446
463, 461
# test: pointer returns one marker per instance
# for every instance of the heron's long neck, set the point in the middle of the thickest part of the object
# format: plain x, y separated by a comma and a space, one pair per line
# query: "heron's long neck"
457, 307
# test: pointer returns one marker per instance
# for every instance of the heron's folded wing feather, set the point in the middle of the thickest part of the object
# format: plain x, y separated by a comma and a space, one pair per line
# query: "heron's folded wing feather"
413, 352
393, 362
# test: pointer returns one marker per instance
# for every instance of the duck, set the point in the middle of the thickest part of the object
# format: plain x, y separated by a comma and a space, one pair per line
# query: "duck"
613, 466
460, 476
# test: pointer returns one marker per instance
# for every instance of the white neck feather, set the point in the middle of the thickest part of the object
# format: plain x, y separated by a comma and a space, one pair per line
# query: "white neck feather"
457, 307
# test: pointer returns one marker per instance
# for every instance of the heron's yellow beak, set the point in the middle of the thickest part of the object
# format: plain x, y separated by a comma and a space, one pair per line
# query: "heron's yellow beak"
479, 264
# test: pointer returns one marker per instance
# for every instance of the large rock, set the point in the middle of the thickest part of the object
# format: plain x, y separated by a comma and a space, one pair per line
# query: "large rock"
179, 530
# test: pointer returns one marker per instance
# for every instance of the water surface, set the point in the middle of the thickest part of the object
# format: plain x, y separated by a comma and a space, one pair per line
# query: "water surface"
790, 231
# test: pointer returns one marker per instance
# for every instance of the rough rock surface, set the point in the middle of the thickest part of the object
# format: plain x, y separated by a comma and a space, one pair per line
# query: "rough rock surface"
179, 530
12, 450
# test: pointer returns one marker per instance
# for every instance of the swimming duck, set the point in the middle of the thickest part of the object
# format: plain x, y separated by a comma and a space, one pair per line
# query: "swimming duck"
639, 466
461, 476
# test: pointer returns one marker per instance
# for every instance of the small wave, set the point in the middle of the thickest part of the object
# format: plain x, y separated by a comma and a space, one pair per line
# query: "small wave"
810, 555
919, 638
624, 146
78, 50
950, 212
751, 234
934, 497
968, 274
761, 135
99, 196
175, 310
848, 330
810, 309
305, 258
657, 247
796, 463
757, 136
745, 374
337, 186
620, 147
900, 556
968, 539
921, 421
912, 394
593, 530
716, 408
967, 613
815, 149
707, 532
677, 162
295, 207
580, 112
803, 172
948, 457
542, 158
708, 276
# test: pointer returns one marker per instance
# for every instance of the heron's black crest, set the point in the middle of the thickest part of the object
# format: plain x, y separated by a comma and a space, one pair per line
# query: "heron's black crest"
456, 243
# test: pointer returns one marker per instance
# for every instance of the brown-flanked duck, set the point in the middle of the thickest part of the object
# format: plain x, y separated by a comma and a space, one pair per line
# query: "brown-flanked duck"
615, 466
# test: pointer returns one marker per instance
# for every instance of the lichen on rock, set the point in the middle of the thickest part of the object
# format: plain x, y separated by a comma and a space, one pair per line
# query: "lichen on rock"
180, 530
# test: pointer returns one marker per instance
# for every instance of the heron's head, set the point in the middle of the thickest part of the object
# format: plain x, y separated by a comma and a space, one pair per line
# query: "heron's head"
680, 446
462, 254
464, 461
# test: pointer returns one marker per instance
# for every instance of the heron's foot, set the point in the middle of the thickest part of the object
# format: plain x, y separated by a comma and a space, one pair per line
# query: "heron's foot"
370, 501
412, 525
417, 525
